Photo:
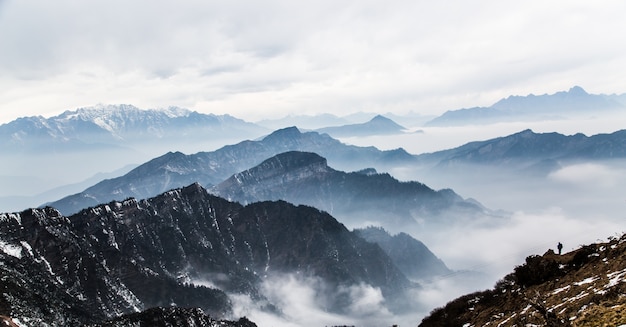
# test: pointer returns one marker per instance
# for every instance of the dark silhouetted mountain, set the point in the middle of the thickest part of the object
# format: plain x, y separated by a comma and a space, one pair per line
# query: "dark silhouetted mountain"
128, 256
210, 168
532, 107
378, 125
584, 287
171, 317
534, 152
354, 198
411, 256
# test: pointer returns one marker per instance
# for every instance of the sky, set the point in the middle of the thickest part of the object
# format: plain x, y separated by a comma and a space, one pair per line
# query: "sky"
267, 59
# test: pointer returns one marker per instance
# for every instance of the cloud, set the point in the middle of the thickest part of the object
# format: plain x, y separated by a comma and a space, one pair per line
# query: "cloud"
282, 57
307, 301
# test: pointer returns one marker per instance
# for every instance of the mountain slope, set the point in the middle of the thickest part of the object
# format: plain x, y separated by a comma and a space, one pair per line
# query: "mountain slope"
354, 198
128, 256
574, 102
209, 168
411, 256
582, 288
531, 151
379, 125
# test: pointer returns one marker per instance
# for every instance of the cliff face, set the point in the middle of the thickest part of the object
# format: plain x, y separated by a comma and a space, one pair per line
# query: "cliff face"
585, 287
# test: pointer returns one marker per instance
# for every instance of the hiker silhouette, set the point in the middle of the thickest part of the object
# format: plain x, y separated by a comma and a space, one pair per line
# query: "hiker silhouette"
559, 247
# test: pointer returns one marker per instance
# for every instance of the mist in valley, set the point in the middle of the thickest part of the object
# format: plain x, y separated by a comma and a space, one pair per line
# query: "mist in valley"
577, 204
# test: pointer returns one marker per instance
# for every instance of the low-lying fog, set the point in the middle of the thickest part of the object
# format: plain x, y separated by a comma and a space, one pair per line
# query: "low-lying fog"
575, 205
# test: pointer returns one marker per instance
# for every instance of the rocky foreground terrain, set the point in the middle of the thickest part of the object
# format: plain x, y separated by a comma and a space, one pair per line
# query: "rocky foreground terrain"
585, 287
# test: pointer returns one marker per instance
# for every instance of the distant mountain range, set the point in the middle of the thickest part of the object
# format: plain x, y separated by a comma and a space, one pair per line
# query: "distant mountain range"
537, 153
210, 168
379, 125
123, 126
129, 256
354, 198
582, 288
575, 102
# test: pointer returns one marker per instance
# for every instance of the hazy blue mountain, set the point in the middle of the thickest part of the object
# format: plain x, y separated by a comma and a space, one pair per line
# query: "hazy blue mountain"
354, 198
117, 126
128, 256
411, 256
559, 105
538, 152
176, 169
19, 202
378, 125
75, 145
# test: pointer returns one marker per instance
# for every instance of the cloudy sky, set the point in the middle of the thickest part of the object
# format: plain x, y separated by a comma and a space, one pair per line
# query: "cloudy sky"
263, 59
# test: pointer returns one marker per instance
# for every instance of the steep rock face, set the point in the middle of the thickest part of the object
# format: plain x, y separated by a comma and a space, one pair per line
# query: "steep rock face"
411, 256
582, 288
210, 168
126, 256
305, 178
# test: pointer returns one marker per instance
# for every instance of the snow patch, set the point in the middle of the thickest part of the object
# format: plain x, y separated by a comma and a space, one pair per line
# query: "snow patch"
10, 249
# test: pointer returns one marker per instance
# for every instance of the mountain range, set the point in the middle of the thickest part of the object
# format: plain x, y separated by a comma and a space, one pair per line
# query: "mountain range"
118, 126
354, 198
529, 151
183, 248
566, 104
176, 169
584, 287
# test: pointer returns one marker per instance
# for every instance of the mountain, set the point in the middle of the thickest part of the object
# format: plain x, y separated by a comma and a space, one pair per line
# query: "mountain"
123, 126
354, 198
582, 288
378, 125
128, 256
172, 317
176, 169
411, 256
532, 107
51, 153
530, 151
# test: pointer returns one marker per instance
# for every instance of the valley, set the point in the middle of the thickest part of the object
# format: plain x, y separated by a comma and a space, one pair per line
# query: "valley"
298, 228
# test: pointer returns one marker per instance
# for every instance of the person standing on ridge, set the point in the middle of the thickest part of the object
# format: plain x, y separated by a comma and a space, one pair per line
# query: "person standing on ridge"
559, 247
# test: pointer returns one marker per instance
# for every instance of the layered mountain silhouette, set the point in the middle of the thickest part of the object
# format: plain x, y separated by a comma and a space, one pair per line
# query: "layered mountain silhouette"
575, 101
530, 151
584, 287
128, 256
379, 125
354, 198
176, 169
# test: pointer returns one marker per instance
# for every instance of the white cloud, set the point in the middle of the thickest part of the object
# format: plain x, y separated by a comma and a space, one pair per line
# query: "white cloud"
266, 59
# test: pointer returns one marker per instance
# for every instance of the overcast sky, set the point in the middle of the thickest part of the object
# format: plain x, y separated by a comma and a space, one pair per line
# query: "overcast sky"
258, 59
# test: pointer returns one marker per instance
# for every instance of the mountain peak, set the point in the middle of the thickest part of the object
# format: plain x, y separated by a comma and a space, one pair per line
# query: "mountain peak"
577, 90
284, 133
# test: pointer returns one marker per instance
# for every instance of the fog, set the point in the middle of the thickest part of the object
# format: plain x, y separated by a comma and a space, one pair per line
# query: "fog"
305, 301
578, 204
